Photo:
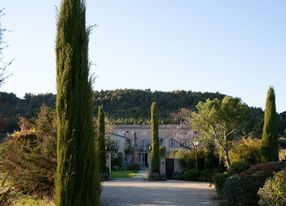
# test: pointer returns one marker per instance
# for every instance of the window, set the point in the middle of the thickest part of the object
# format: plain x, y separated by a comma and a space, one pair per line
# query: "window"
172, 143
145, 143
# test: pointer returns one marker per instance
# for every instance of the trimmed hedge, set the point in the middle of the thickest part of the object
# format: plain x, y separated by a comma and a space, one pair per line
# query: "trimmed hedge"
242, 189
230, 192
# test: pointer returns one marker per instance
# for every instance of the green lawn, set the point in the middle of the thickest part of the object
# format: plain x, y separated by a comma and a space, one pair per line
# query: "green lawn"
123, 174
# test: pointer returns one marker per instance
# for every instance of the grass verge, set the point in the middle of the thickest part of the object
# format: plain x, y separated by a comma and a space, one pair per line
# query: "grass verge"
119, 174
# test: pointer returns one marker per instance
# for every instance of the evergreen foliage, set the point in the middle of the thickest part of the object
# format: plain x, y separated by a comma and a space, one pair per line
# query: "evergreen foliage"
30, 159
155, 153
269, 148
126, 106
101, 141
76, 180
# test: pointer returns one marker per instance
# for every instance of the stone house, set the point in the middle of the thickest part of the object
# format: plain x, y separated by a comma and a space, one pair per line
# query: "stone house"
134, 141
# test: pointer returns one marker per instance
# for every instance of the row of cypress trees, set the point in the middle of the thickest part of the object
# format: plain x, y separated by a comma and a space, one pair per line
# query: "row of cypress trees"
79, 163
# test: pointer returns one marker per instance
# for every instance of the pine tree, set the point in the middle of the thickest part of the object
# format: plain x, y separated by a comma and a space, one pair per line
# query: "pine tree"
76, 180
269, 149
155, 153
101, 140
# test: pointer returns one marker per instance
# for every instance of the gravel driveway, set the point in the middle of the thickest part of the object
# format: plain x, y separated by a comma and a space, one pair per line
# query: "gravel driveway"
167, 193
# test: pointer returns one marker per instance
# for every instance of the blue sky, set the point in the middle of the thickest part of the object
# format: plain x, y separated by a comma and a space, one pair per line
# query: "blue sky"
233, 47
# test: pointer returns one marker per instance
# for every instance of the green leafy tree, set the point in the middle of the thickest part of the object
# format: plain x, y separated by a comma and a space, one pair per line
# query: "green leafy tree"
101, 140
220, 121
269, 149
77, 181
155, 153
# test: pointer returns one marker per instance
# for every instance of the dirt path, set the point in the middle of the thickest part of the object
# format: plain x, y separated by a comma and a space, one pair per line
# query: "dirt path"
167, 193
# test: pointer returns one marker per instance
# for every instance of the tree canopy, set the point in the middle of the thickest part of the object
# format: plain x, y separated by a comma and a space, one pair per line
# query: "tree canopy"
220, 121
126, 107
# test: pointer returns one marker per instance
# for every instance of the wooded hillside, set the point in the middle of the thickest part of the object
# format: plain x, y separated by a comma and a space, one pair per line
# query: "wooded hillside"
126, 106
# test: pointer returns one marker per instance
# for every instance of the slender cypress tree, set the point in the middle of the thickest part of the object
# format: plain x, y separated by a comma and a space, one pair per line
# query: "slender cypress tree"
269, 149
101, 140
155, 154
76, 180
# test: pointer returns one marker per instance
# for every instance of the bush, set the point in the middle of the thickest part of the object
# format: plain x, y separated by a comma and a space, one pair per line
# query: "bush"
178, 176
242, 189
30, 159
249, 185
117, 161
246, 150
187, 158
219, 179
274, 191
207, 175
134, 166
191, 175
237, 168
230, 191
254, 178
269, 166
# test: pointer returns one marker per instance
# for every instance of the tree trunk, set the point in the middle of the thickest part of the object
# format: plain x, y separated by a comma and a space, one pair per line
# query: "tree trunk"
226, 151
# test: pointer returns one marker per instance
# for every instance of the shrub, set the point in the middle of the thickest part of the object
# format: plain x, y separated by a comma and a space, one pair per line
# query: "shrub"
246, 150
219, 179
237, 168
178, 176
269, 166
253, 179
187, 158
191, 175
134, 166
207, 175
30, 159
274, 191
249, 185
117, 161
230, 191
7, 193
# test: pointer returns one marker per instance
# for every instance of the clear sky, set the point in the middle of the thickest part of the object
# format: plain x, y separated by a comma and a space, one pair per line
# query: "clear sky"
233, 47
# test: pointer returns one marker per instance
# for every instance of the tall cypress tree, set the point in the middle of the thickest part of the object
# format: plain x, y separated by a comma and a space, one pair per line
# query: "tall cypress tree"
101, 140
155, 153
269, 149
76, 181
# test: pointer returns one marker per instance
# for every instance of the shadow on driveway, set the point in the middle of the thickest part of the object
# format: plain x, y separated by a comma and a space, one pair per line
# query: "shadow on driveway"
167, 193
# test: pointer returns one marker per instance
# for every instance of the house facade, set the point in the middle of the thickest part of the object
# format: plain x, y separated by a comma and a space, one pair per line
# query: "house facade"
134, 142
